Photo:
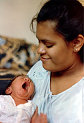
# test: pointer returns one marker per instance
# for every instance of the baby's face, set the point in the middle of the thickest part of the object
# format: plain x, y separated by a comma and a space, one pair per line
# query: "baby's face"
22, 87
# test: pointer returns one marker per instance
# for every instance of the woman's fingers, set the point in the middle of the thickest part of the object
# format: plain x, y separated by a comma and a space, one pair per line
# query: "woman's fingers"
43, 118
35, 116
36, 112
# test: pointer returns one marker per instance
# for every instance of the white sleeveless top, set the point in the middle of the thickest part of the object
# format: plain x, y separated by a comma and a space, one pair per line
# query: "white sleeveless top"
66, 107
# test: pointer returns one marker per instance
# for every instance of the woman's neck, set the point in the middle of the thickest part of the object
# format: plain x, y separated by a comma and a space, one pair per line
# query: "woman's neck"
61, 81
75, 69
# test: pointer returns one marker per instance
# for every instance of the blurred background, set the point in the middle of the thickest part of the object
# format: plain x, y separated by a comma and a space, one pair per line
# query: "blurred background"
15, 18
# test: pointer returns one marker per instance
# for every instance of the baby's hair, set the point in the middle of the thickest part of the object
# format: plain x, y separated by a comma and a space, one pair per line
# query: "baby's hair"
15, 78
6, 82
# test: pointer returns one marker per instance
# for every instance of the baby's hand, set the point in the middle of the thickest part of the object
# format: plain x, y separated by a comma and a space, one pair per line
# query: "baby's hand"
42, 118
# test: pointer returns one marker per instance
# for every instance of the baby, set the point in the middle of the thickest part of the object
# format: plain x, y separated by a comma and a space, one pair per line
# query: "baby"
15, 104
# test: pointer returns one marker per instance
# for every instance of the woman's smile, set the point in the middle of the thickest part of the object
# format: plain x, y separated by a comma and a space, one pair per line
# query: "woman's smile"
44, 59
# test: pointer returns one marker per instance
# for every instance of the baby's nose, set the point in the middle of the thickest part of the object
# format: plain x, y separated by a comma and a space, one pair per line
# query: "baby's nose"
27, 79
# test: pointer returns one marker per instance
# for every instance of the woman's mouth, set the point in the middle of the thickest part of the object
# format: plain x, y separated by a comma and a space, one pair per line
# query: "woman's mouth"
43, 59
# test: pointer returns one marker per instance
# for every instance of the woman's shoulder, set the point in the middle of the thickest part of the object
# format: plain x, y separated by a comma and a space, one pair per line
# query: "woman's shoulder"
38, 75
37, 70
38, 64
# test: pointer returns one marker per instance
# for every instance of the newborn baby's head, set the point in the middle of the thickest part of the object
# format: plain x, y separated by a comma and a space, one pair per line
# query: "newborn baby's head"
21, 87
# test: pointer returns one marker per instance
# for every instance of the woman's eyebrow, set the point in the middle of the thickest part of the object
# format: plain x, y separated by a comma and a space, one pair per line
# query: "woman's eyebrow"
40, 39
44, 40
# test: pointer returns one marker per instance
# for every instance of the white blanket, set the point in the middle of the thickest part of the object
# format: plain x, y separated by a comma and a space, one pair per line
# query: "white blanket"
10, 113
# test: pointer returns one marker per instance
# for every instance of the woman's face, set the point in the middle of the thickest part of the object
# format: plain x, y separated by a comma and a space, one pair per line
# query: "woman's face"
55, 53
22, 87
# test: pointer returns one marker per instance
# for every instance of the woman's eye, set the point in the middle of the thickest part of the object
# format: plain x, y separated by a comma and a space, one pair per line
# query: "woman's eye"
49, 46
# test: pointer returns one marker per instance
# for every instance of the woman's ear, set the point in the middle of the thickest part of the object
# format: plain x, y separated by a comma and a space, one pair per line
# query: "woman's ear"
8, 90
78, 43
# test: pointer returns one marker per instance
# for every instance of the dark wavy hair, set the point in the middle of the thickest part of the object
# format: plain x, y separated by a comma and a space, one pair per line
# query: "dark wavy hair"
69, 16
6, 82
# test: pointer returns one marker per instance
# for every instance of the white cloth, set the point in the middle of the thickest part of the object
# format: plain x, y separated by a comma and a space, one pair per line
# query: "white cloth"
10, 113
66, 107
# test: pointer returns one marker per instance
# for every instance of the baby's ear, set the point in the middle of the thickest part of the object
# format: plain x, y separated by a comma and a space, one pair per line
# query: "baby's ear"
8, 90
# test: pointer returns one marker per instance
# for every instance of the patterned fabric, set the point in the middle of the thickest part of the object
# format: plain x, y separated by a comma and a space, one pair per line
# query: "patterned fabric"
16, 56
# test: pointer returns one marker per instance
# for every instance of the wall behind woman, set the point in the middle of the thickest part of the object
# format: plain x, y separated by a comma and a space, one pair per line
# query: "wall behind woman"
82, 1
15, 18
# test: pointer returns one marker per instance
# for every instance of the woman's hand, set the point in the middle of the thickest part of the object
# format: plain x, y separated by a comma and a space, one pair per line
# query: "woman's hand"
42, 118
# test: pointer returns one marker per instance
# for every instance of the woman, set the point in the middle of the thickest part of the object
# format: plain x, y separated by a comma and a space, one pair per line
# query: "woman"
59, 76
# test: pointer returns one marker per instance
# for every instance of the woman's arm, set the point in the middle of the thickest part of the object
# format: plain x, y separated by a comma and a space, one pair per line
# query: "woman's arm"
42, 118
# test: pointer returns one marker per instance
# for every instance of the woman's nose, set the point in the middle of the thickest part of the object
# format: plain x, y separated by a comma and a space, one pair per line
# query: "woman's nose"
41, 49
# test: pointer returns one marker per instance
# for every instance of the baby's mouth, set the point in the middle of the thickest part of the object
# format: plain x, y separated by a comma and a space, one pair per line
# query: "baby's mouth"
24, 85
